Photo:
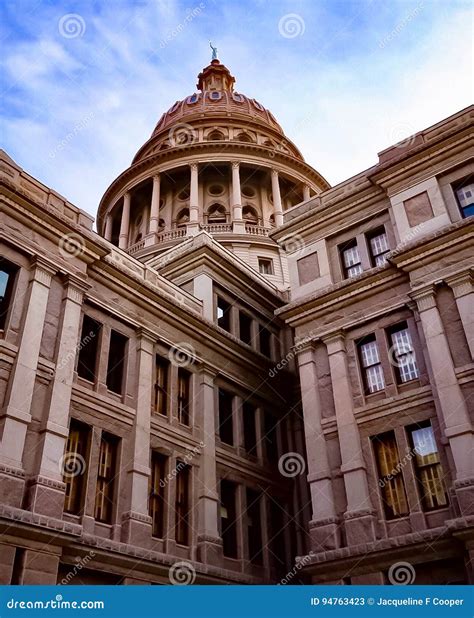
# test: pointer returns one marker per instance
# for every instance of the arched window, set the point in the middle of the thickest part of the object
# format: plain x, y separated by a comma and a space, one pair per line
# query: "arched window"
249, 214
161, 225
245, 137
183, 217
215, 135
216, 213
271, 219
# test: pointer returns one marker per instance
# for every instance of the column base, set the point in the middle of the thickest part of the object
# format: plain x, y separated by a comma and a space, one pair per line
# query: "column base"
209, 550
192, 229
12, 486
465, 494
360, 527
46, 496
324, 534
136, 529
238, 227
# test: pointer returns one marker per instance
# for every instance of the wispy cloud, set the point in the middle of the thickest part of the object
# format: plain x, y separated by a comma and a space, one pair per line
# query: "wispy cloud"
349, 81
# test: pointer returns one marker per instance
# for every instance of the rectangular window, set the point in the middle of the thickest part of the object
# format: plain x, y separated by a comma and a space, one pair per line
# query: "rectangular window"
75, 466
465, 197
183, 475
351, 262
378, 246
223, 314
105, 488
265, 266
8, 272
229, 518
184, 395
264, 337
156, 503
270, 436
245, 328
254, 527
402, 354
116, 362
371, 366
161, 386
250, 431
226, 429
429, 472
390, 475
88, 349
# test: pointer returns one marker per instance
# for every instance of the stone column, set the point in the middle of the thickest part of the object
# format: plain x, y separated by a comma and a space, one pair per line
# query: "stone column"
306, 193
324, 524
463, 291
209, 543
155, 205
125, 223
46, 494
458, 428
108, 227
136, 522
193, 225
359, 513
238, 225
16, 414
277, 199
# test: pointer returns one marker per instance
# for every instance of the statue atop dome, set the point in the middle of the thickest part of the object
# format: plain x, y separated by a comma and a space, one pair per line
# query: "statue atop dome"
214, 51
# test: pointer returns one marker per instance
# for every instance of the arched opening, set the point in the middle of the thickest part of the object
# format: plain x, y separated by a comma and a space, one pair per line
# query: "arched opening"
216, 136
249, 214
216, 213
182, 218
271, 220
138, 237
161, 225
245, 137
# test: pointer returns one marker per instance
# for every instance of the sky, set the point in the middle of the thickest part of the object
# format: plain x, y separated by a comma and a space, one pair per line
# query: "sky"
84, 83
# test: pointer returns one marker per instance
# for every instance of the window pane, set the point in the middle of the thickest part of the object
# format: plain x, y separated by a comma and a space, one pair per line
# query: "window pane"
226, 430
75, 466
351, 256
264, 340
404, 355
375, 379
428, 468
229, 519
250, 433
104, 496
161, 386
390, 476
354, 271
379, 244
184, 390
245, 328
223, 314
156, 504
8, 273
182, 503
88, 347
116, 362
370, 353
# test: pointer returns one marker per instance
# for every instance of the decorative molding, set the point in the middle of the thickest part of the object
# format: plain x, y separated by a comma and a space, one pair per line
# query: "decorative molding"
425, 298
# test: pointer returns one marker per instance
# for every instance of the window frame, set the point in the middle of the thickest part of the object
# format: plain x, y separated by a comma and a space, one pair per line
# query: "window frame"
364, 369
395, 355
393, 480
184, 377
106, 483
76, 483
226, 416
263, 263
343, 249
372, 235
160, 387
156, 494
457, 186
96, 340
182, 507
224, 321
6, 303
115, 376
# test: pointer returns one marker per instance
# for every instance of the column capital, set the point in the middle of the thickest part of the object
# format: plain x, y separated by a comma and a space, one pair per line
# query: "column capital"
304, 351
145, 337
193, 166
207, 374
274, 172
44, 270
335, 342
156, 176
75, 288
425, 297
461, 283
235, 164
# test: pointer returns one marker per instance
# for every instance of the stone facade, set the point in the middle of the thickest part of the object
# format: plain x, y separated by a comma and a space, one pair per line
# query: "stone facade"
156, 376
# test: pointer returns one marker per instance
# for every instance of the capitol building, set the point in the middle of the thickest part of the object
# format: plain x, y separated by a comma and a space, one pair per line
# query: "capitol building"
240, 374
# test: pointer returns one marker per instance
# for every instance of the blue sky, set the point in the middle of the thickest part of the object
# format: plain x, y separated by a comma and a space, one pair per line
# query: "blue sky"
84, 83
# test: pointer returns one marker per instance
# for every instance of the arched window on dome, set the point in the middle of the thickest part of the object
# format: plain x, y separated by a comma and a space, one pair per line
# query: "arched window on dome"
258, 105
215, 95
192, 99
161, 225
245, 137
249, 214
269, 143
182, 218
216, 213
164, 146
238, 98
216, 136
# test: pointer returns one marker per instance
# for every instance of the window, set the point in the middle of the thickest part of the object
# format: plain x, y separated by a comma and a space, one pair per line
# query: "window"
74, 466
270, 437
105, 488
390, 475
8, 273
183, 473
465, 197
264, 337
88, 348
403, 354
378, 246
250, 430
184, 389
350, 257
429, 472
226, 429
229, 519
156, 503
254, 527
371, 367
223, 314
116, 362
245, 328
161, 386
216, 213
265, 266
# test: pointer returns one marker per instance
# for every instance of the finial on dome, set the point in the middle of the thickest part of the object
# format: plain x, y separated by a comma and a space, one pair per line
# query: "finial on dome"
214, 51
